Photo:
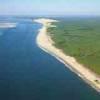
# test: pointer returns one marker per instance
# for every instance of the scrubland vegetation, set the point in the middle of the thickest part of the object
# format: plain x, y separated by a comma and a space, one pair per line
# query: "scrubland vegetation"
80, 38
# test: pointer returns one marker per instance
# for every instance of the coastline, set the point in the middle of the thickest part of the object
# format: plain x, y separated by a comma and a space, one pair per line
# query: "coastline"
44, 41
7, 25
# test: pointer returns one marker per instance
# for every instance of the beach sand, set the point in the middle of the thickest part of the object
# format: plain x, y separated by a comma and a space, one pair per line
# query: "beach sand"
7, 25
45, 43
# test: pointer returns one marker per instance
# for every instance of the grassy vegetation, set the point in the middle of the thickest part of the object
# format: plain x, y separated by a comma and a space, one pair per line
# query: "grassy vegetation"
80, 38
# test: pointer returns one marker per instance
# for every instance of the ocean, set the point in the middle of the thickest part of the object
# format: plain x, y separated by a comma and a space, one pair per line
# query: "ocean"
28, 73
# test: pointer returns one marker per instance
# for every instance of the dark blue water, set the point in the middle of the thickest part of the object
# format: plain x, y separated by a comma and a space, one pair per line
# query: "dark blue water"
28, 73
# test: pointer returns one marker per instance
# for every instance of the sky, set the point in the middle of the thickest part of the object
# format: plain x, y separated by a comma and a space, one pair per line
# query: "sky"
49, 7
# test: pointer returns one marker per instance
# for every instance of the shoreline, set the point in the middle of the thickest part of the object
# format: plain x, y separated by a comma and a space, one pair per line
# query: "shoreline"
7, 25
44, 41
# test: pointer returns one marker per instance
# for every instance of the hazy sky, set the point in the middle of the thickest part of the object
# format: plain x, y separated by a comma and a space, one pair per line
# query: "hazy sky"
49, 7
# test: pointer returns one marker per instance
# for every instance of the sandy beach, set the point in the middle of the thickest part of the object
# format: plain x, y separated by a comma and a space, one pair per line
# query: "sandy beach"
7, 25
45, 43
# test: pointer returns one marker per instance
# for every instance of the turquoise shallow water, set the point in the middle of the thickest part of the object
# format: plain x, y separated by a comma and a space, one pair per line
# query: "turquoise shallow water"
28, 73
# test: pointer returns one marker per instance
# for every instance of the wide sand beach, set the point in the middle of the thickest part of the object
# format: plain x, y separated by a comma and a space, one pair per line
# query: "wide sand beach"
45, 43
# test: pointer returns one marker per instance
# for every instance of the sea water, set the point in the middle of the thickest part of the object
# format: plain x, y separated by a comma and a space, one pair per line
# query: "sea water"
28, 73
